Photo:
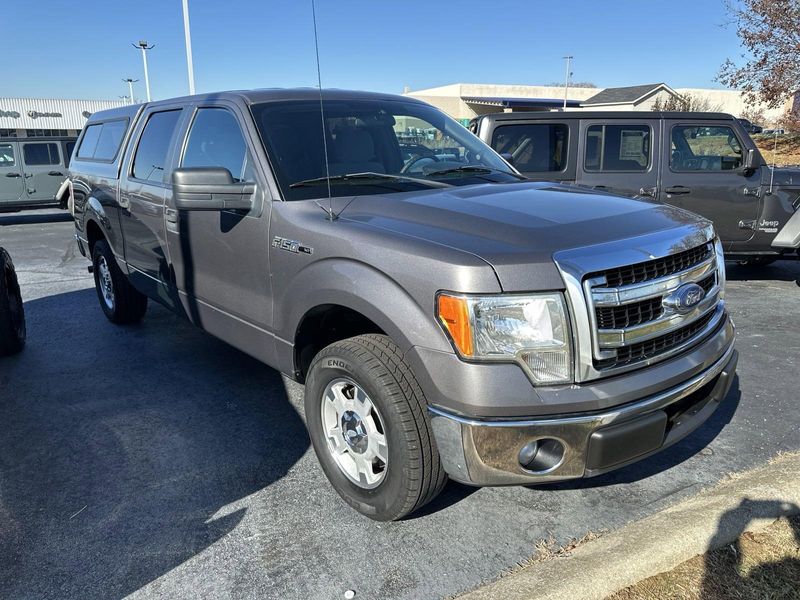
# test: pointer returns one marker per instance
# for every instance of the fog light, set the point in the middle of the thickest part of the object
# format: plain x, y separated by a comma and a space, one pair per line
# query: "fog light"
541, 455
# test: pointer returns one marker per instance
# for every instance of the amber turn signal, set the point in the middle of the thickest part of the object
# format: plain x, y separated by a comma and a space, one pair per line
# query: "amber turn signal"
454, 315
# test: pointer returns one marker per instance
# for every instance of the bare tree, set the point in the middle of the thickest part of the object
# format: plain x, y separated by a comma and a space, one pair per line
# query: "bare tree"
686, 103
754, 115
573, 84
769, 71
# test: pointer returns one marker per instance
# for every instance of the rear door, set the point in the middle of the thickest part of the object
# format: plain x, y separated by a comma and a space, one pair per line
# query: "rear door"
11, 180
542, 150
142, 199
44, 170
703, 175
617, 155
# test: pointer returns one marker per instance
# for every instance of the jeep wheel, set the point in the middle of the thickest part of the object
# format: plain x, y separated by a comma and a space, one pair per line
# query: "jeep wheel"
368, 423
12, 314
120, 301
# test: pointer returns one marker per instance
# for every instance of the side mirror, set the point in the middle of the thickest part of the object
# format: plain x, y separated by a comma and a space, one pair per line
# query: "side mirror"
210, 188
508, 157
749, 162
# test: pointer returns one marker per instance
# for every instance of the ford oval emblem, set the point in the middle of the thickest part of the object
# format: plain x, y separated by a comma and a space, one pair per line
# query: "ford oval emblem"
685, 298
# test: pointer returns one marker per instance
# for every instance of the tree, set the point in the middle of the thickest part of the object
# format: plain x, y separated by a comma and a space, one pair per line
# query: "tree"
685, 103
754, 115
769, 31
573, 84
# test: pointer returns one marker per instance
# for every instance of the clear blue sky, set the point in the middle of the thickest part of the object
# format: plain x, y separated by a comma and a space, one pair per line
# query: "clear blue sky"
81, 48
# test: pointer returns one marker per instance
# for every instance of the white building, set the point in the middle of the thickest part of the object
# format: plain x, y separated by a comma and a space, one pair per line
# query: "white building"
37, 117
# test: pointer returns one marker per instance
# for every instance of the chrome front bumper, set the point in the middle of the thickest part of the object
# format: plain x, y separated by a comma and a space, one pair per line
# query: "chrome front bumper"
486, 452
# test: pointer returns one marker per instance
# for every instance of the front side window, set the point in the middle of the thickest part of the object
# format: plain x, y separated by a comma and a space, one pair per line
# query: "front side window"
617, 148
7, 158
534, 148
704, 148
374, 146
216, 140
149, 162
41, 154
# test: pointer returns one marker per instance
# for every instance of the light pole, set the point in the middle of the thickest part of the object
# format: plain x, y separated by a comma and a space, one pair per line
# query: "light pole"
130, 83
143, 45
566, 79
187, 34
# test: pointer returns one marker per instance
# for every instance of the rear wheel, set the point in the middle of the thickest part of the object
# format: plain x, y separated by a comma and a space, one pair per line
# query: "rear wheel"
12, 314
368, 423
120, 301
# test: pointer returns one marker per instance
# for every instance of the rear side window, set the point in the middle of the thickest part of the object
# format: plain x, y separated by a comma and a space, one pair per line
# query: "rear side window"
534, 148
617, 148
69, 147
102, 141
150, 159
40, 154
215, 140
7, 156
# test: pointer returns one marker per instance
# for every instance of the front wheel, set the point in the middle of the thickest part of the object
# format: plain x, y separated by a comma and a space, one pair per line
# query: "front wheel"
120, 301
367, 419
12, 315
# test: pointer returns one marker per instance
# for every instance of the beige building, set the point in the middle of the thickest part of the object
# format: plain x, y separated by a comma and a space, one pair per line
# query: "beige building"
464, 101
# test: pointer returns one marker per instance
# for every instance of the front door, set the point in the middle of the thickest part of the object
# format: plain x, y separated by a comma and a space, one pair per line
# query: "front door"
142, 197
11, 179
703, 174
221, 258
43, 169
617, 156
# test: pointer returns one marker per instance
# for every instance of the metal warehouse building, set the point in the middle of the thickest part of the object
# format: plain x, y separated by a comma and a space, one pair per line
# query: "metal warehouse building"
37, 117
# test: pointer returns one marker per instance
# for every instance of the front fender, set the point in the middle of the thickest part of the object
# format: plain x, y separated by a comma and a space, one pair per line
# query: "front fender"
362, 288
789, 235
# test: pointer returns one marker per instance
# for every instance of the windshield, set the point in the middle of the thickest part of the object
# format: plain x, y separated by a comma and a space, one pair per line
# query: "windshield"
394, 146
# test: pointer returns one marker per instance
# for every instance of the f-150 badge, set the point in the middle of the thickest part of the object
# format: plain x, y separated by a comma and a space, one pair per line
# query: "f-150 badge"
291, 245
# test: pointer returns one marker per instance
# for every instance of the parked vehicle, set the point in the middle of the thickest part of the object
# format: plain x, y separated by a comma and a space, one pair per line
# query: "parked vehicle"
12, 314
703, 162
447, 317
750, 127
32, 170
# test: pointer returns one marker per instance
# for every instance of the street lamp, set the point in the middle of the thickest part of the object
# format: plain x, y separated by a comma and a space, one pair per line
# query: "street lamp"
566, 80
143, 45
130, 83
188, 36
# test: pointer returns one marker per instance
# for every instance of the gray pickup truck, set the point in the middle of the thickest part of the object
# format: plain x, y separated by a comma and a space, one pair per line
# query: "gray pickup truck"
447, 317
703, 162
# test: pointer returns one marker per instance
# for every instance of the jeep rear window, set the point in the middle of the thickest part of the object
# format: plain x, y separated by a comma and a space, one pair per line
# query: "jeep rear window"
617, 148
40, 154
535, 148
407, 144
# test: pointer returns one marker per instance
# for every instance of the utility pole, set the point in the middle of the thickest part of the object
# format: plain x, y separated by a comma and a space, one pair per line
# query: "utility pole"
187, 34
566, 79
143, 45
130, 83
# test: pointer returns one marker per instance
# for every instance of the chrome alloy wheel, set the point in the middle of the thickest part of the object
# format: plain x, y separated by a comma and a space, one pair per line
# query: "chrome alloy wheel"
355, 433
105, 281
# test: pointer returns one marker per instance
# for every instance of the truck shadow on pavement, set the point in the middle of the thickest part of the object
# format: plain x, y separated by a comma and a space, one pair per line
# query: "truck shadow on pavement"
694, 443
121, 444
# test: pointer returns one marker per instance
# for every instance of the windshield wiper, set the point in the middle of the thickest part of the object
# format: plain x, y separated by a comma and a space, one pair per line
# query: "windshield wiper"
473, 169
367, 177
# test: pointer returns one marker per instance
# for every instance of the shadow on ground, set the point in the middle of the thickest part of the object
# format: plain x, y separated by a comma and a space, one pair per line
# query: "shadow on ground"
116, 453
34, 218
782, 270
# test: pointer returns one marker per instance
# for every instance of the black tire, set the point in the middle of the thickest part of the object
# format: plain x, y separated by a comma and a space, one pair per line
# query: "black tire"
413, 474
124, 304
12, 313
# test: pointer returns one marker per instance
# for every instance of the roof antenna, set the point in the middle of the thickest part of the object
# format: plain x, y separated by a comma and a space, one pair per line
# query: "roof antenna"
774, 158
328, 210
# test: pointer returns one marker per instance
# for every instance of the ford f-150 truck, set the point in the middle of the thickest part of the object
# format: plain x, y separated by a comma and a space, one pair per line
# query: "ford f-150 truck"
703, 162
447, 317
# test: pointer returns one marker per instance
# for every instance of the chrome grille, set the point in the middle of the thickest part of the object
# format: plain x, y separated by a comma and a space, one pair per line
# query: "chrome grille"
633, 321
656, 268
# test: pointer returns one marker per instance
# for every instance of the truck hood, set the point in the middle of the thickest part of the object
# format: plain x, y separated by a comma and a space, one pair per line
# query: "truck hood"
515, 227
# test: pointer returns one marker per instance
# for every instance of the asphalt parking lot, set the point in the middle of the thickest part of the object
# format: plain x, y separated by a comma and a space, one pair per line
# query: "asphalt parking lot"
156, 461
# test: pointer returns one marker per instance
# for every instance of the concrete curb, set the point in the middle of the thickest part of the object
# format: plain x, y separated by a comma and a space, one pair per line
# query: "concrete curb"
712, 518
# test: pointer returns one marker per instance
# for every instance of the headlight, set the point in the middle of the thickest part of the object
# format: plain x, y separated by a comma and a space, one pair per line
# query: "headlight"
530, 329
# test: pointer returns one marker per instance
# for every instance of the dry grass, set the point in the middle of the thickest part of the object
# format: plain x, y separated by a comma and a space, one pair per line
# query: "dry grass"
763, 566
788, 148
